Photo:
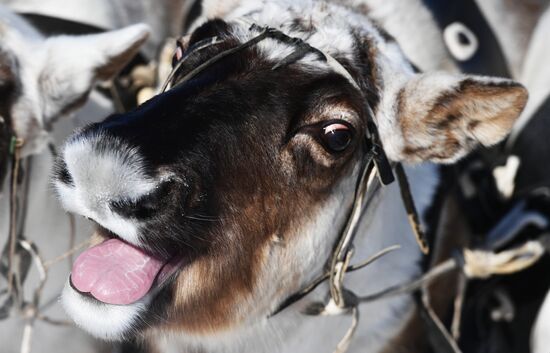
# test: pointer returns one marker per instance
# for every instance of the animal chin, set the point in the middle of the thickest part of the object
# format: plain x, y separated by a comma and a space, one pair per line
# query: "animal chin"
113, 285
117, 272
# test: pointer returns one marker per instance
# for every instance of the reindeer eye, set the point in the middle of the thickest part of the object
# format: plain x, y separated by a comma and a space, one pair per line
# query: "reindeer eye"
336, 136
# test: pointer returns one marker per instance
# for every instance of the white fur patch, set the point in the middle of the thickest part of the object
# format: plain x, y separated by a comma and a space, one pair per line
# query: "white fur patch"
505, 176
57, 73
541, 332
324, 16
101, 177
105, 321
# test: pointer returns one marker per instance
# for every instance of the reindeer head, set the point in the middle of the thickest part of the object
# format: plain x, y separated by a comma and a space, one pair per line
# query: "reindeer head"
44, 79
219, 198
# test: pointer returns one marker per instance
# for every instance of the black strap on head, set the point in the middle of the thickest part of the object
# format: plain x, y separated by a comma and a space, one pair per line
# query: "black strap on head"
171, 77
301, 49
380, 159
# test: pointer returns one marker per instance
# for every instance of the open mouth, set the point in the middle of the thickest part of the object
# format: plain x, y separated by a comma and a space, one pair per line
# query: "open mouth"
116, 272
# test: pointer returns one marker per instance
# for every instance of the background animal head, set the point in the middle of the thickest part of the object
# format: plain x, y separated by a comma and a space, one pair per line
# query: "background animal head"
43, 79
240, 179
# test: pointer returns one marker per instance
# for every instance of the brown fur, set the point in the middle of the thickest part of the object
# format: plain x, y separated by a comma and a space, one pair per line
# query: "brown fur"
264, 214
212, 308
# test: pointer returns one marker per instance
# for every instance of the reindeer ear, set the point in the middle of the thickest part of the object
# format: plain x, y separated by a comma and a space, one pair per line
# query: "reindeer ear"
441, 117
74, 63
103, 54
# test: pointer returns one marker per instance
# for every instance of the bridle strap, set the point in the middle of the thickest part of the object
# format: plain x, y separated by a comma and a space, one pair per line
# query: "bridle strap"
412, 213
221, 56
311, 310
344, 249
302, 49
15, 153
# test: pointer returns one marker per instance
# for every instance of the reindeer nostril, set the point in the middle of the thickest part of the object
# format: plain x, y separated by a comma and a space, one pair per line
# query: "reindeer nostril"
61, 173
146, 206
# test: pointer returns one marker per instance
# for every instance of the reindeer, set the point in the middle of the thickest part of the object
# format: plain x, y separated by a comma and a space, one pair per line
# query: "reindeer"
43, 82
166, 18
222, 197
44, 79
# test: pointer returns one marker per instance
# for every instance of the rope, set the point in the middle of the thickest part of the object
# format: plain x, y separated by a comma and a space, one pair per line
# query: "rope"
478, 264
15, 152
440, 339
458, 305
68, 254
344, 343
343, 252
22, 252
482, 264
315, 283
471, 262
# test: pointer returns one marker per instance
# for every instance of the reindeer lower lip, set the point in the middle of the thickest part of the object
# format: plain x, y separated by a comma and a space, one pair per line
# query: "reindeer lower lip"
116, 272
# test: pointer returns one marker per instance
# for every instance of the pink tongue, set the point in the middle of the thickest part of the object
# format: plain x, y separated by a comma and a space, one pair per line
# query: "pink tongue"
115, 272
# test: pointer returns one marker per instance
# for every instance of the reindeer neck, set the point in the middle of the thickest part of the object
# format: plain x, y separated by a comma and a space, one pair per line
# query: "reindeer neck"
381, 322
